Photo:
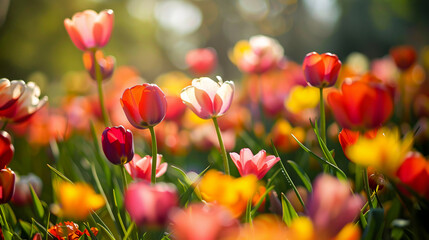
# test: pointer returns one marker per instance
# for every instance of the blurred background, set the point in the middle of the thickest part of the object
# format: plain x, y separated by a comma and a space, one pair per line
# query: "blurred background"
154, 35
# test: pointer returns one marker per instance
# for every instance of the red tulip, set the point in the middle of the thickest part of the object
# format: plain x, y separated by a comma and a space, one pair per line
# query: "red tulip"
88, 29
258, 164
118, 145
7, 185
6, 149
348, 137
321, 70
140, 168
148, 205
201, 61
361, 105
414, 172
106, 64
144, 105
404, 56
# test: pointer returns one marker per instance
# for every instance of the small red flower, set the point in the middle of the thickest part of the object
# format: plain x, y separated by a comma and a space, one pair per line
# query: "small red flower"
6, 149
361, 105
201, 61
404, 56
118, 145
69, 231
321, 70
414, 172
144, 105
7, 185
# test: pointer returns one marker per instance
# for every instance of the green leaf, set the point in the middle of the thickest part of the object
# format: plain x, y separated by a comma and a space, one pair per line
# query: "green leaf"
7, 235
186, 196
374, 228
42, 228
36, 202
26, 227
106, 230
248, 215
289, 213
302, 175
118, 213
261, 200
100, 188
271, 179
129, 231
59, 174
102, 225
91, 234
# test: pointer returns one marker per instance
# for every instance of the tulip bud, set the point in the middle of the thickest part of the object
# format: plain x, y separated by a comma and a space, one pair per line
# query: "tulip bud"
201, 61
321, 70
7, 185
22, 195
6, 149
404, 56
37, 236
118, 145
144, 105
106, 64
148, 205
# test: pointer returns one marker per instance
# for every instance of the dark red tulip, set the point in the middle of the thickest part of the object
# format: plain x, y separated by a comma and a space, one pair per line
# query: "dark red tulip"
6, 149
118, 144
144, 105
321, 70
404, 56
7, 185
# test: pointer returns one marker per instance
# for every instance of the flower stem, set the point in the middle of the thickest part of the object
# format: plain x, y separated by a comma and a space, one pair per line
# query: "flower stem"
124, 177
99, 78
4, 125
322, 117
366, 187
154, 155
222, 146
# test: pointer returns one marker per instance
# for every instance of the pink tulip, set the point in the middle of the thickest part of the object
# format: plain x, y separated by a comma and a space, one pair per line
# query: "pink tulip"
88, 29
148, 205
201, 222
331, 206
140, 168
208, 98
258, 164
201, 61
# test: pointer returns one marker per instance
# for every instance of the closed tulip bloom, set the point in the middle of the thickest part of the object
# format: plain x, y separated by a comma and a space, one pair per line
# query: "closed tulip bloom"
22, 195
404, 56
106, 64
7, 185
144, 105
88, 29
140, 168
118, 145
6, 149
321, 70
361, 105
10, 92
258, 164
148, 205
332, 206
208, 98
201, 61
414, 172
26, 106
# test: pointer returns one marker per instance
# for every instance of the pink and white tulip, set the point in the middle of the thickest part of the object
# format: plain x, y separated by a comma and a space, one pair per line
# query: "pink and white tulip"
208, 98
140, 168
10, 92
258, 164
88, 29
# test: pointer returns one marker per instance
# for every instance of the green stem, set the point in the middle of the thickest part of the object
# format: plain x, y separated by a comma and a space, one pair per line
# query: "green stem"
154, 155
222, 146
99, 78
366, 187
4, 125
124, 177
322, 117
3, 216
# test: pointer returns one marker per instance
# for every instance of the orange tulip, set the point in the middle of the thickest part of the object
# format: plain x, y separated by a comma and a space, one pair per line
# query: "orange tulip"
7, 185
361, 105
321, 70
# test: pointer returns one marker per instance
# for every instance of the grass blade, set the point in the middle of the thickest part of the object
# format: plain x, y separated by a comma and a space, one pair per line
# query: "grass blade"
59, 174
302, 175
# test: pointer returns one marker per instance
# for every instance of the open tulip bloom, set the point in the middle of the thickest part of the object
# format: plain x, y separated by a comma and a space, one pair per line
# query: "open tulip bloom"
258, 164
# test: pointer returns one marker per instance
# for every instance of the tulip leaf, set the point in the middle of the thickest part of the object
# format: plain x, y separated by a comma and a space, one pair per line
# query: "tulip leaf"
129, 231
26, 227
98, 155
101, 224
91, 234
248, 216
271, 179
288, 179
185, 197
261, 200
7, 235
36, 202
374, 228
183, 174
41, 227
118, 213
59, 174
100, 188
302, 175
289, 212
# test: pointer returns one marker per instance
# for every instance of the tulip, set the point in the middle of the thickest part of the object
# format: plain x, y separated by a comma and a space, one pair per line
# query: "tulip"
37, 236
78, 200
258, 164
10, 92
106, 64
140, 168
148, 205
321, 70
331, 206
200, 221
22, 195
404, 56
208, 98
6, 149
26, 106
361, 105
89, 30
414, 172
348, 137
258, 55
7, 185
144, 105
201, 61
118, 145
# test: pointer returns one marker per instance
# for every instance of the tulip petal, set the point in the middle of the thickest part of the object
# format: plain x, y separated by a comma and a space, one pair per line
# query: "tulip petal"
207, 85
223, 98
84, 23
189, 99
74, 34
103, 27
